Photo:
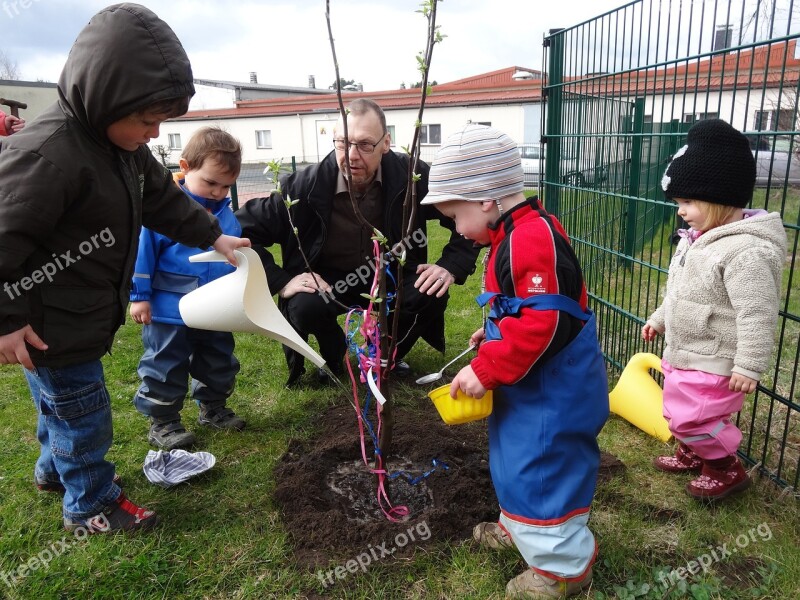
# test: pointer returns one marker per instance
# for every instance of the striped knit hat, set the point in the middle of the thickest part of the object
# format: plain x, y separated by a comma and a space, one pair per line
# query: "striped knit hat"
475, 164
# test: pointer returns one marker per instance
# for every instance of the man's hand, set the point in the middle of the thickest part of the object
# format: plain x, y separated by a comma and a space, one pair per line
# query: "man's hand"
13, 350
467, 382
226, 244
433, 279
141, 312
741, 383
305, 283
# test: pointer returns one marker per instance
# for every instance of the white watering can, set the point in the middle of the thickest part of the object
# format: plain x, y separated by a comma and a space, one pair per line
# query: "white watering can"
241, 301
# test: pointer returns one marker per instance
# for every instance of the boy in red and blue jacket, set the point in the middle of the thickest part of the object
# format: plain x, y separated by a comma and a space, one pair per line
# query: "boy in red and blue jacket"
539, 353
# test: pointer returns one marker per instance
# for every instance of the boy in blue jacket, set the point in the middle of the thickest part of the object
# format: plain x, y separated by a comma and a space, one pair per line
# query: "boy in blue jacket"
173, 352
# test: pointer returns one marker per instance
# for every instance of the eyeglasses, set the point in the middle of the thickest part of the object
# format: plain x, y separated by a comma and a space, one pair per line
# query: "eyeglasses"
363, 147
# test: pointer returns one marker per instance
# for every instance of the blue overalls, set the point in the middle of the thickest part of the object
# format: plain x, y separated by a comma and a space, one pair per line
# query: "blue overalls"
543, 452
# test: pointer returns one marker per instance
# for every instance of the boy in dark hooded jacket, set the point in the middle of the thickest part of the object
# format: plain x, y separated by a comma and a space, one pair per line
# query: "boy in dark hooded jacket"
76, 185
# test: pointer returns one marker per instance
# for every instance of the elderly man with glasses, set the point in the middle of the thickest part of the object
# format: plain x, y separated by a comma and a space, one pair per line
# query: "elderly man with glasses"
339, 248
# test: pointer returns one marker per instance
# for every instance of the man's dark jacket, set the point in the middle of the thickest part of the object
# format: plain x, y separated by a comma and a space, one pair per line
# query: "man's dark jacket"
265, 221
63, 183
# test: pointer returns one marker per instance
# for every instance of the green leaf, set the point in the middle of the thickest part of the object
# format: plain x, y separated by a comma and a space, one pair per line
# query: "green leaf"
378, 236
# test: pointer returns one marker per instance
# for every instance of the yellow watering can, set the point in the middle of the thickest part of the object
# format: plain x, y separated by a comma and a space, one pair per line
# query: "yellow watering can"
637, 397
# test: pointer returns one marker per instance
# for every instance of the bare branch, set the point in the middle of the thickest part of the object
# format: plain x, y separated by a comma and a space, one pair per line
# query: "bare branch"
343, 114
410, 201
9, 69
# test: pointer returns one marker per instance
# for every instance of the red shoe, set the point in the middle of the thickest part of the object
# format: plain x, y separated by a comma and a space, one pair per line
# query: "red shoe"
684, 461
120, 515
719, 479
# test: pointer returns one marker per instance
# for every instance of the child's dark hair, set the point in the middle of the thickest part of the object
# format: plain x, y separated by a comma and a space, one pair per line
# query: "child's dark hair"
174, 107
214, 143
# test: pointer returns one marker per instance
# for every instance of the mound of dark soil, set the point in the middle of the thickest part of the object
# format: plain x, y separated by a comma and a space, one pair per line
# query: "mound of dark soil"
328, 497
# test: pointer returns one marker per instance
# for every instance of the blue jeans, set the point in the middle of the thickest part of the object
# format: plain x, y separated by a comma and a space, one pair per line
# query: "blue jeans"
75, 433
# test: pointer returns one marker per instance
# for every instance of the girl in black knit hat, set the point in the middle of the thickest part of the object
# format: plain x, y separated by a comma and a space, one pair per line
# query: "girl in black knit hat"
720, 308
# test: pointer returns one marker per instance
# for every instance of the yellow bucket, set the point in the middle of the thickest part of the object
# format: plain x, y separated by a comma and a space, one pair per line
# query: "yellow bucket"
463, 409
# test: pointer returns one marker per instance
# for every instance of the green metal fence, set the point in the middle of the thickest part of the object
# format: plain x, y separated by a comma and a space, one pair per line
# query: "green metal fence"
621, 91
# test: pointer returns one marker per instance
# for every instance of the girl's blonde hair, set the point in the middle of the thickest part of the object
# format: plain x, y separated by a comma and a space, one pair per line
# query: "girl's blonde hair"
716, 214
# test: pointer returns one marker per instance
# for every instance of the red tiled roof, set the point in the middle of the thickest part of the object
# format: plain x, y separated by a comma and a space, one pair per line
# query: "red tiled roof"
496, 87
500, 77
763, 67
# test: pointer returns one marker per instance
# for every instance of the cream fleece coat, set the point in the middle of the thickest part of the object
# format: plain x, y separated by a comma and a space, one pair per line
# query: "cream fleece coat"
721, 305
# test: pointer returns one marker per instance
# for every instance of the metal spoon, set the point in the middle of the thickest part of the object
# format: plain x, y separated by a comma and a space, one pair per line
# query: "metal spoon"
431, 377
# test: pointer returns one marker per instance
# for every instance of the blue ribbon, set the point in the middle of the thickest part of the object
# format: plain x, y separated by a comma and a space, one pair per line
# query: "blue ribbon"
352, 329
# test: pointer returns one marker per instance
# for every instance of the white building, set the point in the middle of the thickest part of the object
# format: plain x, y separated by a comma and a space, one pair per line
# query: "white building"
301, 127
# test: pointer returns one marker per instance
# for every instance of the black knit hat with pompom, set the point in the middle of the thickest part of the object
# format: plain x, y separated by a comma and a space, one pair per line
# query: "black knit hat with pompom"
715, 165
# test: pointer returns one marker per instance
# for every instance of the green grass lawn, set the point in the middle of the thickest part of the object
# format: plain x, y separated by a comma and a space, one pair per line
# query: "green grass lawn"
222, 537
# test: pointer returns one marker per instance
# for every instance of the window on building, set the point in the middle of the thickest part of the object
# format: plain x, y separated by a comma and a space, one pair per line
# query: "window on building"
430, 134
694, 117
774, 120
264, 138
390, 129
174, 140
487, 123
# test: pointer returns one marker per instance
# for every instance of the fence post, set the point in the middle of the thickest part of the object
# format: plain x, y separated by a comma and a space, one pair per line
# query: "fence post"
633, 181
554, 104
234, 197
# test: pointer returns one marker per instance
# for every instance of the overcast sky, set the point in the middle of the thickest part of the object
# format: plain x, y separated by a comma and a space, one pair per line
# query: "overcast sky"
287, 40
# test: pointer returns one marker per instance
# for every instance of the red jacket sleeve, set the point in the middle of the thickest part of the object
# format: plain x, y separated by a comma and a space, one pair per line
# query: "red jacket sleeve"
534, 259
3, 124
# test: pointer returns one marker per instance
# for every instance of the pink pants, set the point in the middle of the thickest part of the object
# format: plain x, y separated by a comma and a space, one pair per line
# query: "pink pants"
698, 407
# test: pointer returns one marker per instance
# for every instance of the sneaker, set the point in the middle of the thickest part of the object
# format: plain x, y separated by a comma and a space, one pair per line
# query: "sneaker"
684, 461
220, 417
50, 485
531, 584
401, 368
121, 515
168, 435
492, 535
719, 479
